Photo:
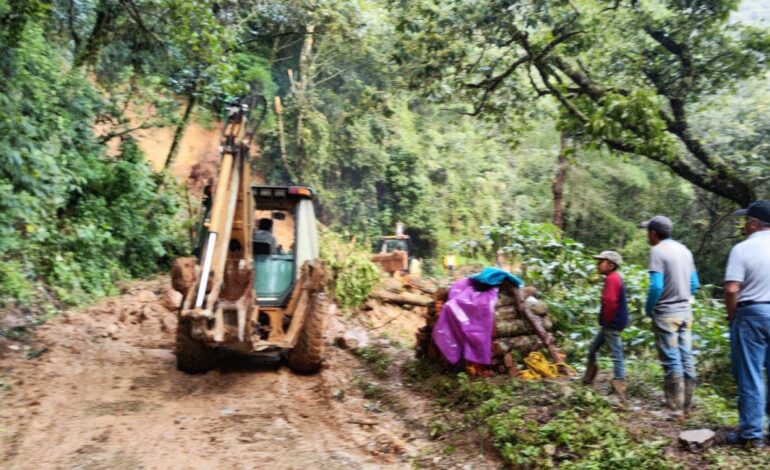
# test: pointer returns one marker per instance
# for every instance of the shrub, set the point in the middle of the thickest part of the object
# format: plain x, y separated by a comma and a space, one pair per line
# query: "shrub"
354, 275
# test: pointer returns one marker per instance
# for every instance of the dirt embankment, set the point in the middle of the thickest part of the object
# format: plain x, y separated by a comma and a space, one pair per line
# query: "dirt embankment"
99, 389
198, 154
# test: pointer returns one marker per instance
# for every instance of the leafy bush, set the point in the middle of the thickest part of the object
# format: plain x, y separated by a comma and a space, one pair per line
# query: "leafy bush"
539, 425
354, 275
711, 336
74, 218
14, 285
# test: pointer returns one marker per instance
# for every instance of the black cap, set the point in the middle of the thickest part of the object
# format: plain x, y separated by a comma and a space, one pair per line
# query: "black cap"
759, 210
660, 224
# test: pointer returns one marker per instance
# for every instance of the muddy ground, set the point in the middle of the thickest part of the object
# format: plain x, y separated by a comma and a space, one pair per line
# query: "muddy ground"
99, 389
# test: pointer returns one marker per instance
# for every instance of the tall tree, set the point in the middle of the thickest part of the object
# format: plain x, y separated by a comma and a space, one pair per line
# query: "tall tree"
627, 74
559, 180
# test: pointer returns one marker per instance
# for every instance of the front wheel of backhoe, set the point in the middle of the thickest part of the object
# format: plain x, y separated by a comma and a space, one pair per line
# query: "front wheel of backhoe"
192, 356
307, 356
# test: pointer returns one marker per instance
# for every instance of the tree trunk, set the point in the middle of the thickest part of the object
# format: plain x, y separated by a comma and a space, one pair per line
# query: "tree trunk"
105, 14
558, 182
179, 133
282, 141
303, 87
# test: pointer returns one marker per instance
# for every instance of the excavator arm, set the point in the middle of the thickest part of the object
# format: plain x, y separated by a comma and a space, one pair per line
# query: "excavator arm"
224, 273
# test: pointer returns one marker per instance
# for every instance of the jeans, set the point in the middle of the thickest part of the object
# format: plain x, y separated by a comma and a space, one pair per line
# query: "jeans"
750, 353
614, 341
673, 340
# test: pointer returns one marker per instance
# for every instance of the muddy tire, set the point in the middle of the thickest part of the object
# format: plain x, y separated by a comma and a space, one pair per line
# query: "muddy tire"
192, 356
308, 354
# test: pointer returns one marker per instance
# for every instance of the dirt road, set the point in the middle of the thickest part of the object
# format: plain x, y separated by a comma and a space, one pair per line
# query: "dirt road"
98, 389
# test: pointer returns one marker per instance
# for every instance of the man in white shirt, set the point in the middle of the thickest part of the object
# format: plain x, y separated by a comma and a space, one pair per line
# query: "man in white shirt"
747, 300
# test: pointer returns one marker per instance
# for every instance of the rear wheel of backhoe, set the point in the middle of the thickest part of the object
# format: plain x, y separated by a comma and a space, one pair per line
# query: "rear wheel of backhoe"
192, 356
307, 356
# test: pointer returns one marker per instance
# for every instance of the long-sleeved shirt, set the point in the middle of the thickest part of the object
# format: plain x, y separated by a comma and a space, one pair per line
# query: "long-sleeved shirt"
673, 278
614, 312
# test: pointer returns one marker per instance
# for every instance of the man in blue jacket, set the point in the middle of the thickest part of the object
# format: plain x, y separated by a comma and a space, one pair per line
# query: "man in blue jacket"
673, 281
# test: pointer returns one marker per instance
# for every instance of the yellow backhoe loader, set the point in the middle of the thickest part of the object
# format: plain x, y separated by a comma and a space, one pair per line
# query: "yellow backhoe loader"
257, 285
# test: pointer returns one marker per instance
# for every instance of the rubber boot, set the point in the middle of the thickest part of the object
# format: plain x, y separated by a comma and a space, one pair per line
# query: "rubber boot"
619, 387
674, 392
689, 391
590, 375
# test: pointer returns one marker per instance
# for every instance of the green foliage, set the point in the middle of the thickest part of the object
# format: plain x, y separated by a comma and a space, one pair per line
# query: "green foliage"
14, 17
15, 287
354, 275
378, 360
566, 275
736, 458
538, 425
623, 74
118, 226
711, 335
74, 217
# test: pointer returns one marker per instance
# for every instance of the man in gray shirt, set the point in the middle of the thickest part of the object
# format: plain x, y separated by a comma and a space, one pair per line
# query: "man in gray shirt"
747, 299
673, 280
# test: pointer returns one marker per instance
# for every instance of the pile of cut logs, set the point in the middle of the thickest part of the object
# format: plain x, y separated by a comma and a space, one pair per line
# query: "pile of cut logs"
518, 333
522, 325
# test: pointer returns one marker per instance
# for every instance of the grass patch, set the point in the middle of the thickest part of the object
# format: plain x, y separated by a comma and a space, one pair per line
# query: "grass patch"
371, 390
377, 360
730, 458
541, 424
17, 333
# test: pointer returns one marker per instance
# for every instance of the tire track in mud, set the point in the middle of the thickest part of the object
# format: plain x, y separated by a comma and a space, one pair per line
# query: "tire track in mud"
106, 394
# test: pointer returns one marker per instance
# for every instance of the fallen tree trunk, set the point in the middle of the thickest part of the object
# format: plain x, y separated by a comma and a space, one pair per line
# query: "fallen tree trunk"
523, 344
517, 327
404, 298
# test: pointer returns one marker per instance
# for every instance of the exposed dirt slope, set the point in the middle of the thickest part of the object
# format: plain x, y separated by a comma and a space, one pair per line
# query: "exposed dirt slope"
99, 389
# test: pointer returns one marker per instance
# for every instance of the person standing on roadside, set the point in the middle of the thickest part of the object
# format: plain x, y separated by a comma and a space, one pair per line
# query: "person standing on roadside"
673, 281
747, 300
613, 318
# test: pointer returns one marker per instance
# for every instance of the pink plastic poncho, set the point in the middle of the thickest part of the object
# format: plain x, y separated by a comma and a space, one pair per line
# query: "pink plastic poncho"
464, 327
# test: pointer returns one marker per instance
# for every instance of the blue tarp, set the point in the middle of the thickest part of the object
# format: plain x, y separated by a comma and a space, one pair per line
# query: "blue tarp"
493, 277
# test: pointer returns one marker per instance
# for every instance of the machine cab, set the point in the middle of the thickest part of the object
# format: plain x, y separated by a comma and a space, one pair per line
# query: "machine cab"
284, 237
392, 243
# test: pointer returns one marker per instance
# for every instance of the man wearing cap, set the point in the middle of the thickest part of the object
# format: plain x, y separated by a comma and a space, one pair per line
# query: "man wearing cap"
747, 299
613, 318
673, 280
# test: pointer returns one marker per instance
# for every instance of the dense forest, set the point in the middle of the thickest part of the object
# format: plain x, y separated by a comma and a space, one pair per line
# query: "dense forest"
443, 115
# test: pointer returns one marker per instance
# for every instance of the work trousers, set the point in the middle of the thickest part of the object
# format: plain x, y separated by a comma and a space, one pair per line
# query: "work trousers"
750, 353
673, 340
615, 343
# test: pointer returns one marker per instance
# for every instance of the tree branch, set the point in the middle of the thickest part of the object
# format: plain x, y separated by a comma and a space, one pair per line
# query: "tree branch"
109, 136
136, 16
718, 179
493, 82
